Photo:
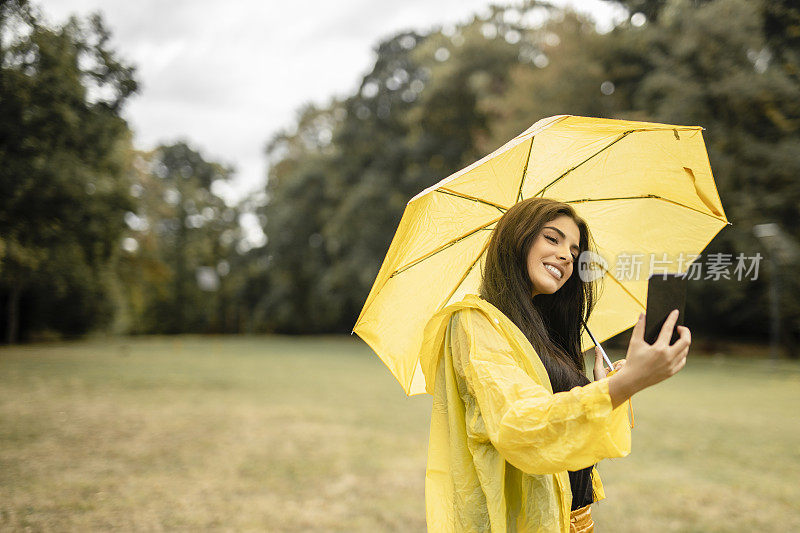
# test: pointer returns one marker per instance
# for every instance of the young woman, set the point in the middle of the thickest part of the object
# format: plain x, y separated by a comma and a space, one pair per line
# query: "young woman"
516, 426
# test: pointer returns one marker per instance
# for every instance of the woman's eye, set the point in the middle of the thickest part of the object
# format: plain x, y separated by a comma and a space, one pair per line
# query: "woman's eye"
555, 241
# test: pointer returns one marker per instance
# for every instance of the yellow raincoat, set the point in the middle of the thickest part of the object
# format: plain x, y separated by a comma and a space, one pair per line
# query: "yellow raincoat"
501, 442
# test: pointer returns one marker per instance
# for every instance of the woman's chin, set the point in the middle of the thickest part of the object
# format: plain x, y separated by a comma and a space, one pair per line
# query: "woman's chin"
547, 287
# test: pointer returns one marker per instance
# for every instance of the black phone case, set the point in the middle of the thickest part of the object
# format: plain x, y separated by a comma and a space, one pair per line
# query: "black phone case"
664, 293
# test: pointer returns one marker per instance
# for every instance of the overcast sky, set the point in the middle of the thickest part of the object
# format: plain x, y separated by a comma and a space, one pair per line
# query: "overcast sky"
226, 76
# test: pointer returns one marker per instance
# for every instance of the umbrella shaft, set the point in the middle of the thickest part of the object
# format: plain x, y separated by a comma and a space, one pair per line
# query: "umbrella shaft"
602, 351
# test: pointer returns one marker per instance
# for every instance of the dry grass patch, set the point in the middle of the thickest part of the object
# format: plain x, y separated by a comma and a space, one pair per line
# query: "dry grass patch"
313, 434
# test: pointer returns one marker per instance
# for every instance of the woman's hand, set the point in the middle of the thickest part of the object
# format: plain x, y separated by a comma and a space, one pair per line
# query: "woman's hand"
649, 364
600, 370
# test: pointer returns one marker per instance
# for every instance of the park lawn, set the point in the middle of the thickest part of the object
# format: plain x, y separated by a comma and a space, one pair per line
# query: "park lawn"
313, 434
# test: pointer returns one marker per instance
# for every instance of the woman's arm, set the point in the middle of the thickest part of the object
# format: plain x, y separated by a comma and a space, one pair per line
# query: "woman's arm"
536, 431
620, 389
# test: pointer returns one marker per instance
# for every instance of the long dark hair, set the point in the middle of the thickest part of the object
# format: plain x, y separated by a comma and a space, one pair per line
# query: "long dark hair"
551, 322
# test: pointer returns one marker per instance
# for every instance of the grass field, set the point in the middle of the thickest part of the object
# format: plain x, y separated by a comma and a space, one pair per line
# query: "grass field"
299, 434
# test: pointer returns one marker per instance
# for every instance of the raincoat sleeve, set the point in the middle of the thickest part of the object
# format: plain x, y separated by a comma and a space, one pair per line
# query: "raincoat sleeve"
533, 429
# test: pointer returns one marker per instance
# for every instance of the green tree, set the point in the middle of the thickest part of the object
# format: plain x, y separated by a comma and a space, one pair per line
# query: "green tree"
571, 72
63, 151
181, 245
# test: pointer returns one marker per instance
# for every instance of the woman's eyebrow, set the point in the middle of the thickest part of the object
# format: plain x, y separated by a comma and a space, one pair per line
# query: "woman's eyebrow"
563, 236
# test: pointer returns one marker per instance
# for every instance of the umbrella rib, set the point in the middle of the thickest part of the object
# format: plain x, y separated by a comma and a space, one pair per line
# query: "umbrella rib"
472, 198
466, 273
618, 282
442, 248
612, 143
525, 171
646, 196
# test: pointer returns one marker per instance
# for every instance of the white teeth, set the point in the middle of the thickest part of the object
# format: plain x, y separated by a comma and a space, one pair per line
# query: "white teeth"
554, 270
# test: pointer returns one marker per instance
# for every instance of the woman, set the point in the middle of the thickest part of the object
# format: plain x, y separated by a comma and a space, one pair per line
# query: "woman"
516, 427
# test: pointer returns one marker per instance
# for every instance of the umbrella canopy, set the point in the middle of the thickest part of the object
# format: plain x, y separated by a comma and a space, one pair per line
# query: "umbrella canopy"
642, 187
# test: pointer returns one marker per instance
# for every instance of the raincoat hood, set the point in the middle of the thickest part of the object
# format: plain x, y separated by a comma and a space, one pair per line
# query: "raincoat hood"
434, 338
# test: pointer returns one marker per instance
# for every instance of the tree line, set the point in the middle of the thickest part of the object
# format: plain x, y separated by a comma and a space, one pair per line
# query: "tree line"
95, 234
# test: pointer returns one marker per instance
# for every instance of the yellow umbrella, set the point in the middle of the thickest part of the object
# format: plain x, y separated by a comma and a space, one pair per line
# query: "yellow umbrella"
642, 187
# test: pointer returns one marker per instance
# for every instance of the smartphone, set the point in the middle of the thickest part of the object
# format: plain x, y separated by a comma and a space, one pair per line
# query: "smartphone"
665, 292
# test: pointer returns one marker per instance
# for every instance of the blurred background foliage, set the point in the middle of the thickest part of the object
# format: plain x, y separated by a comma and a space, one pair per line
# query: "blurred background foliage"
96, 235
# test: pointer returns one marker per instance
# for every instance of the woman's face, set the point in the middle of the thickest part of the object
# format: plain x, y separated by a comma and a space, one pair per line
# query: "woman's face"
552, 255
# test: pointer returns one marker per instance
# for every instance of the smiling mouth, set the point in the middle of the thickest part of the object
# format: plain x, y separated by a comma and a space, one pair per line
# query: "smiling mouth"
553, 272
